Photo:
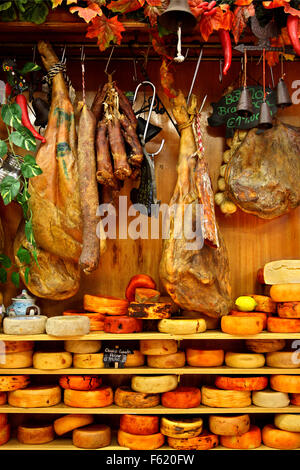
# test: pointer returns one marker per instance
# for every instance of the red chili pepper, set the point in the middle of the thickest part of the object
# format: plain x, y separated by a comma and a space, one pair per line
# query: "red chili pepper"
211, 5
140, 280
22, 102
227, 49
210, 12
292, 27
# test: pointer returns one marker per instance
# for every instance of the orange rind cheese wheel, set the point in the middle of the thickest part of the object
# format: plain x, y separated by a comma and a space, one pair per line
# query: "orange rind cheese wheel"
99, 398
279, 439
168, 361
265, 345
138, 442
249, 440
140, 425
158, 347
127, 398
96, 325
70, 422
216, 398
283, 325
3, 419
288, 309
80, 382
88, 361
16, 346
205, 441
35, 397
204, 358
264, 303
241, 325
3, 398
105, 304
181, 427
123, 324
13, 382
95, 436
182, 397
241, 383
136, 359
35, 433
285, 292
4, 434
16, 360
285, 383
283, 359
261, 315
229, 425
295, 399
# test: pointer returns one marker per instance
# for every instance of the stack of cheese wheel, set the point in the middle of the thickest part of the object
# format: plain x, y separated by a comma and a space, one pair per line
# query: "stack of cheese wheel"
162, 354
4, 429
287, 384
246, 441
16, 354
140, 432
125, 397
96, 319
280, 436
204, 357
187, 434
229, 425
32, 433
218, 398
52, 360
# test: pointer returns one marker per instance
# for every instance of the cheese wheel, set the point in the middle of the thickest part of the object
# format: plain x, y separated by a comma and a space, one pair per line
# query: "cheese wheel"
83, 346
211, 322
282, 271
136, 359
150, 310
270, 399
69, 422
140, 425
158, 347
168, 361
123, 324
264, 303
127, 398
285, 383
229, 425
13, 382
244, 360
4, 434
283, 359
17, 360
35, 397
287, 422
265, 345
3, 419
279, 439
80, 382
99, 398
288, 309
138, 442
67, 326
181, 428
285, 292
261, 315
295, 399
154, 384
249, 440
96, 325
182, 397
241, 325
3, 398
204, 441
88, 361
204, 358
283, 325
214, 397
24, 325
52, 360
241, 383
35, 433
94, 436
16, 346
181, 326
146, 295
105, 304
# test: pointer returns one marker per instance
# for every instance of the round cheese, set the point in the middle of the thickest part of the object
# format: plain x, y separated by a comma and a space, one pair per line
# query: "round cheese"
279, 439
95, 436
264, 303
168, 361
204, 358
181, 428
3, 398
214, 397
265, 345
35, 433
241, 383
249, 440
295, 399
140, 425
69, 422
35, 397
83, 346
285, 383
52, 360
261, 315
241, 325
123, 324
80, 382
182, 397
96, 325
288, 309
285, 292
4, 434
16, 346
244, 360
17, 360
211, 322
158, 347
136, 359
153, 383
283, 359
283, 325
24, 325
13, 382
181, 326
99, 398
3, 419
204, 441
88, 361
270, 399
67, 326
138, 442
229, 425
287, 422
127, 398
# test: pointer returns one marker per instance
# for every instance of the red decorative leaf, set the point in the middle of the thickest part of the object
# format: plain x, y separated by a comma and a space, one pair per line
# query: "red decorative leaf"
275, 4
125, 6
243, 3
152, 11
240, 18
167, 79
221, 19
159, 44
89, 12
106, 30
155, 3
196, 7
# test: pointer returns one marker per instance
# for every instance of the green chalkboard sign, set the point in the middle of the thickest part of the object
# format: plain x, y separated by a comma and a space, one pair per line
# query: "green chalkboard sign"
224, 111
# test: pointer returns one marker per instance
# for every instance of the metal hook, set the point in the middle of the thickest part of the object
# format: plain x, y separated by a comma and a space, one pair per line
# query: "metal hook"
82, 54
63, 56
195, 75
108, 61
202, 104
135, 78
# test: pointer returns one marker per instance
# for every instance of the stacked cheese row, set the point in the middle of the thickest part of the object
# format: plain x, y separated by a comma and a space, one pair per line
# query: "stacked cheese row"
56, 326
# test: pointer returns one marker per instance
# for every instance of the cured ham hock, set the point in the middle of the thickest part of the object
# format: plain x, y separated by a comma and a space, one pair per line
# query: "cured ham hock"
198, 279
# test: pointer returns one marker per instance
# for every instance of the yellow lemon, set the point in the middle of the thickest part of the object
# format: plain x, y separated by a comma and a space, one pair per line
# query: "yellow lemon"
245, 303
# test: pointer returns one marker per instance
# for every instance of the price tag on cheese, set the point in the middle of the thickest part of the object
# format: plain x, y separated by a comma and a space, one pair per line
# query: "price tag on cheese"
115, 357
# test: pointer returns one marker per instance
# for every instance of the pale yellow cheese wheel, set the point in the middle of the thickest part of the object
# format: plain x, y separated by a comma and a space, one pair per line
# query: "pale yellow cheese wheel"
52, 360
287, 422
158, 347
214, 397
16, 360
270, 399
283, 359
136, 359
229, 425
94, 436
82, 346
169, 361
154, 383
34, 397
181, 326
88, 361
181, 427
244, 360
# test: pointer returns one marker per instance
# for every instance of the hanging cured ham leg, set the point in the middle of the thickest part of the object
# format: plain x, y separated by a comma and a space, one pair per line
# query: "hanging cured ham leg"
196, 279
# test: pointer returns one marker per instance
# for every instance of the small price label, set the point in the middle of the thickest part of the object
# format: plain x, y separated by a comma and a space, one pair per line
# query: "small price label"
115, 357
